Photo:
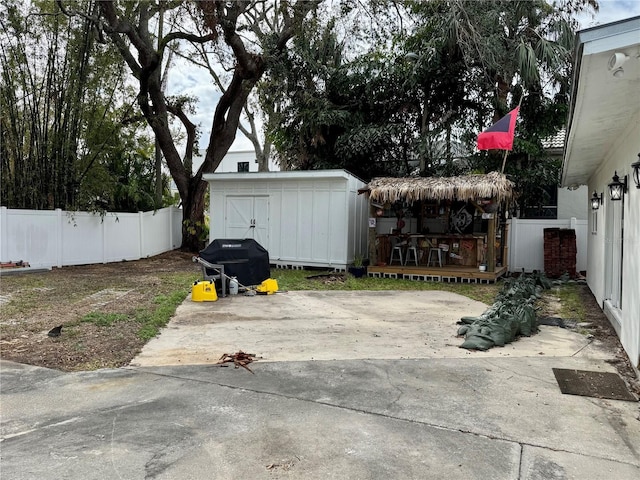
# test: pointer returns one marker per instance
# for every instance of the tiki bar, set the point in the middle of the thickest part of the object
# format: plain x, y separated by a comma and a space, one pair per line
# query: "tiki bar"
439, 228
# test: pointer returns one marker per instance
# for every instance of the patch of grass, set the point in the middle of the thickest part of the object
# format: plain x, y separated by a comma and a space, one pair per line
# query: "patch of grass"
153, 320
178, 280
571, 305
104, 319
20, 282
20, 299
297, 280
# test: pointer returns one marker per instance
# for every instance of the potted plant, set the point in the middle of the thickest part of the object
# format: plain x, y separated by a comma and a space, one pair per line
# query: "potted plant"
357, 269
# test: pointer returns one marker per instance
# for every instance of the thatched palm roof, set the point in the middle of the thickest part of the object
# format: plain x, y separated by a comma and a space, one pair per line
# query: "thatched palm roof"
465, 187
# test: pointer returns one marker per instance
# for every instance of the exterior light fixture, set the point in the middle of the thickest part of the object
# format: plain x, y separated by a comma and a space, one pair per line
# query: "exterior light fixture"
615, 64
617, 60
596, 201
636, 172
617, 188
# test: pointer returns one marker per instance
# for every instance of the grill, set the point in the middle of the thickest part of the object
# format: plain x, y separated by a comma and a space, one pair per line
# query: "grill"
245, 259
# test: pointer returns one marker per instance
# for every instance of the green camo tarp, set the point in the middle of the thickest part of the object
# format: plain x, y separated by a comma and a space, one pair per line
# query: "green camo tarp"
512, 314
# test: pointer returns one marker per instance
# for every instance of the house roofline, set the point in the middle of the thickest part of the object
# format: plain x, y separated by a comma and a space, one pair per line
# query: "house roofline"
589, 35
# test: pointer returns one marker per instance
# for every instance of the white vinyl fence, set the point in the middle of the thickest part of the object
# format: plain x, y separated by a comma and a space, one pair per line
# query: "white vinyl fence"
526, 243
55, 238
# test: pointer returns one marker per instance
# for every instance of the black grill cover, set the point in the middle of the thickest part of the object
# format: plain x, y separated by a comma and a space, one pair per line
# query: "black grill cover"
246, 259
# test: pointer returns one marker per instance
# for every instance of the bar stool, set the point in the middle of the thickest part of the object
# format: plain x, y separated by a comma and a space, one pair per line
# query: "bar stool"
412, 248
396, 248
438, 251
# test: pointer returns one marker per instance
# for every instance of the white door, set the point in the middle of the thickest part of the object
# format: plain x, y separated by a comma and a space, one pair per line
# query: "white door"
261, 220
247, 217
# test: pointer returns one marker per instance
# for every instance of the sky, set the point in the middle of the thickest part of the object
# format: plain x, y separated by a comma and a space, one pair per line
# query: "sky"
183, 80
612, 11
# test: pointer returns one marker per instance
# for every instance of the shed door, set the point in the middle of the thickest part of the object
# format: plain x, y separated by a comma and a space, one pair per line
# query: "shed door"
247, 217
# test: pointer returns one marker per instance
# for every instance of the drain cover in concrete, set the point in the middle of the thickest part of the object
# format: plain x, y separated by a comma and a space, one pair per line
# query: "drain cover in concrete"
593, 384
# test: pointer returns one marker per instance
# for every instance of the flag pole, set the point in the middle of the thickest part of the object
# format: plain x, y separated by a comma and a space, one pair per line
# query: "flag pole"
504, 160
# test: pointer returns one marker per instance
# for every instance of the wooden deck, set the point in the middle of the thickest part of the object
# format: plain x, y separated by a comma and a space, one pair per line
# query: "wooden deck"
447, 273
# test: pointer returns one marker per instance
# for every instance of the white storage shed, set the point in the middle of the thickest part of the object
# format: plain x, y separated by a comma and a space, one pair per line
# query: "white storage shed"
312, 218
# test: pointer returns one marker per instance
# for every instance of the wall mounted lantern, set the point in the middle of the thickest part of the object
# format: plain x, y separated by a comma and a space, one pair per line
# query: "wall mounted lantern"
636, 172
596, 201
617, 188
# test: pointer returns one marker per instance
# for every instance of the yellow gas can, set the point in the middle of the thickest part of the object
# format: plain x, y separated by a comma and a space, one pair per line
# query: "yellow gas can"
269, 286
204, 291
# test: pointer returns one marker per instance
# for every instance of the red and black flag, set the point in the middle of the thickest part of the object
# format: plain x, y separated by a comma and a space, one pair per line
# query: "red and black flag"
499, 136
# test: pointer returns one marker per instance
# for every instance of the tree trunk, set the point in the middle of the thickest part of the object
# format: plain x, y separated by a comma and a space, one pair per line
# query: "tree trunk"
263, 157
158, 170
503, 87
146, 67
158, 151
194, 232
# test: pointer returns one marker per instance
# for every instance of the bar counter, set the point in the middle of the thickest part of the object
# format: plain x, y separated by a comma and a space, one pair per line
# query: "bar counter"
456, 249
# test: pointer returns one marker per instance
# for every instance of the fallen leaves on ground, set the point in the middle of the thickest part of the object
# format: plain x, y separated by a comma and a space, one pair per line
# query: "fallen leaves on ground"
239, 359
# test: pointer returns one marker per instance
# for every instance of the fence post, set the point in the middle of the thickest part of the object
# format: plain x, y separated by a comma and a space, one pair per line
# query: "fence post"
573, 223
170, 211
3, 234
141, 235
513, 243
59, 238
104, 239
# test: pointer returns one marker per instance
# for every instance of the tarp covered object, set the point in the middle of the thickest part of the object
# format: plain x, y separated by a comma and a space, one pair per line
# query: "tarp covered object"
512, 314
244, 259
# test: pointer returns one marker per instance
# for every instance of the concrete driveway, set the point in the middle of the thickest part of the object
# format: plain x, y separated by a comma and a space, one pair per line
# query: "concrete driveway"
338, 325
352, 385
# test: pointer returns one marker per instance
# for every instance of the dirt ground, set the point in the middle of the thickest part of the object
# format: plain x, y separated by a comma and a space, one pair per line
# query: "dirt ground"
32, 304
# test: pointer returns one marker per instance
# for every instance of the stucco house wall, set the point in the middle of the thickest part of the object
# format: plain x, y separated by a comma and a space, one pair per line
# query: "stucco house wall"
619, 158
603, 139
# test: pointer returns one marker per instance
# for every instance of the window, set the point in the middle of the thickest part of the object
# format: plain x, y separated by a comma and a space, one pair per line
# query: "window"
243, 166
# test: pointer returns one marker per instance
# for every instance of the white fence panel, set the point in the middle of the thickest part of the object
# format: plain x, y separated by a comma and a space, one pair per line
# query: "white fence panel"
526, 243
155, 226
82, 239
27, 234
122, 234
582, 230
47, 238
176, 227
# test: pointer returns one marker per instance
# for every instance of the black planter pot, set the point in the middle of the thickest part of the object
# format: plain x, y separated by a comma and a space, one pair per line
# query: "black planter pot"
358, 271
